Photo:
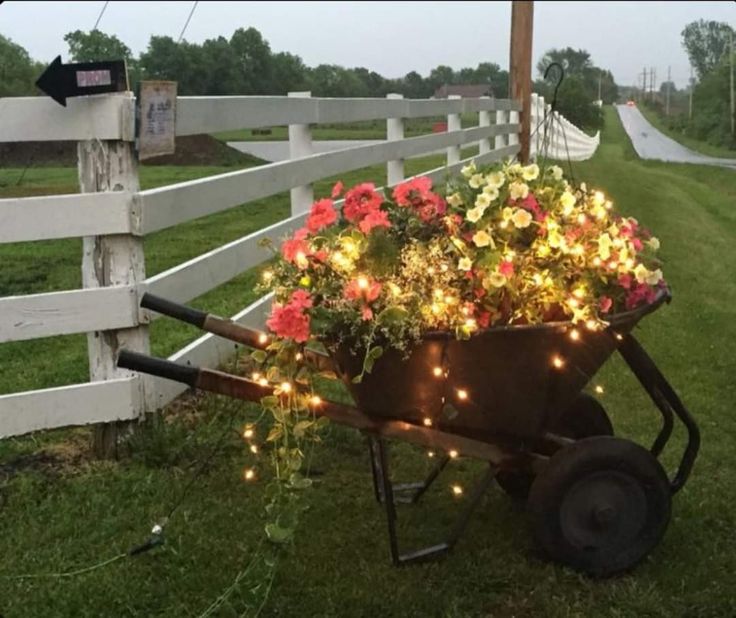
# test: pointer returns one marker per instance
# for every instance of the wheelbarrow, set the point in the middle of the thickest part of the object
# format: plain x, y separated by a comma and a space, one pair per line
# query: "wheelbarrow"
512, 397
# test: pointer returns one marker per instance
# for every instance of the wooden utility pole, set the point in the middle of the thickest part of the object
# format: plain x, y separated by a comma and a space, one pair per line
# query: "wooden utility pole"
669, 81
520, 73
644, 86
692, 87
733, 105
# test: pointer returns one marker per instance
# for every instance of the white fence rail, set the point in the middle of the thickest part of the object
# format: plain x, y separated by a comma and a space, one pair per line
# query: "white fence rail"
555, 137
112, 218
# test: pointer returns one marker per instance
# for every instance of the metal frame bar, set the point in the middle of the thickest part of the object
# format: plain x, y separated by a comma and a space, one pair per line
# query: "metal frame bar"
384, 491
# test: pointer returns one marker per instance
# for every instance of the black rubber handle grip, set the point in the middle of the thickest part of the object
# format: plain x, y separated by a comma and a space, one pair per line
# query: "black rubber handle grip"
173, 310
158, 367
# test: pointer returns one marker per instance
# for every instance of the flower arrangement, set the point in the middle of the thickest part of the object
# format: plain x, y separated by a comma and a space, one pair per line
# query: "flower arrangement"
508, 244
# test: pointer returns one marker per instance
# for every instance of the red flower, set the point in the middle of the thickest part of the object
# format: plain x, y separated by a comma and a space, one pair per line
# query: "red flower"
625, 281
360, 200
605, 303
640, 294
337, 189
433, 206
484, 319
367, 313
322, 215
289, 321
375, 218
362, 288
637, 244
296, 250
506, 268
531, 204
301, 299
412, 192
321, 255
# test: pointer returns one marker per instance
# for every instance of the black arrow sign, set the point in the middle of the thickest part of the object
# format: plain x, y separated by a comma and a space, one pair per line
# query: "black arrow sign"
61, 81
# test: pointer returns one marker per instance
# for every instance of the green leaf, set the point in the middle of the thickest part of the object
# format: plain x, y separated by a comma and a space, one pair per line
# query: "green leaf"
392, 315
301, 427
259, 356
275, 433
270, 402
277, 534
327, 375
373, 355
297, 481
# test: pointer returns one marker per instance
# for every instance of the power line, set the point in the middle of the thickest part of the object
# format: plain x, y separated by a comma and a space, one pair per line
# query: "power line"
184, 29
99, 17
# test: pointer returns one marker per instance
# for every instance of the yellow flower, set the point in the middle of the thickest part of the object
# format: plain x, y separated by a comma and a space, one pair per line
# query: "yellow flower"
518, 190
554, 239
507, 213
455, 200
599, 199
567, 200
653, 242
482, 239
613, 230
495, 179
530, 172
474, 214
465, 264
468, 170
476, 180
604, 246
556, 172
522, 218
654, 277
641, 273
491, 192
496, 279
483, 201
514, 168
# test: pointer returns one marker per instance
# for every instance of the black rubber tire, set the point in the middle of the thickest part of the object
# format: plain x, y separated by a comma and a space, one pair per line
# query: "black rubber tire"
585, 417
600, 505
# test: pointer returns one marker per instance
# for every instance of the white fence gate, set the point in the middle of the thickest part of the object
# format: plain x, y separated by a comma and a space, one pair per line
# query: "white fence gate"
113, 215
563, 140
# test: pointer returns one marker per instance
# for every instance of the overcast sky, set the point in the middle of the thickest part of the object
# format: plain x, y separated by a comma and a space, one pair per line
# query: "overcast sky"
391, 38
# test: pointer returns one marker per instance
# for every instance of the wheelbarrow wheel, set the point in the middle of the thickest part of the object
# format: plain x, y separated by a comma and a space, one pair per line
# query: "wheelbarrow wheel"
600, 505
584, 418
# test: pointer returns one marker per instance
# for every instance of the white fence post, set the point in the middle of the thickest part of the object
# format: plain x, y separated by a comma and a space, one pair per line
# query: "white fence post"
513, 136
484, 120
502, 117
394, 131
453, 124
115, 260
542, 132
300, 145
534, 126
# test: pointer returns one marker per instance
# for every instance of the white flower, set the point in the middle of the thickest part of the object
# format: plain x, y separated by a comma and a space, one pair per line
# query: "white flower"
641, 273
654, 277
518, 190
483, 201
530, 172
455, 200
482, 239
495, 179
604, 246
567, 200
491, 192
476, 180
507, 213
598, 198
653, 242
497, 280
468, 170
556, 172
474, 214
465, 264
522, 218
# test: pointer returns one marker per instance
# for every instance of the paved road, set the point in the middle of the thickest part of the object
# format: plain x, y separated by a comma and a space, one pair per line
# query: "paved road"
279, 151
651, 143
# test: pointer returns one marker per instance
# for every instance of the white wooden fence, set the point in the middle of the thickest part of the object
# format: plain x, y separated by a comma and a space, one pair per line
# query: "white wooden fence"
112, 215
556, 137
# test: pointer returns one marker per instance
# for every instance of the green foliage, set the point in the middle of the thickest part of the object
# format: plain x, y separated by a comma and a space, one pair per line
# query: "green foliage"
17, 71
706, 43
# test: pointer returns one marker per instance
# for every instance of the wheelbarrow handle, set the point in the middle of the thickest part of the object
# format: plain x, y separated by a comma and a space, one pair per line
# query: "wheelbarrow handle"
180, 312
158, 367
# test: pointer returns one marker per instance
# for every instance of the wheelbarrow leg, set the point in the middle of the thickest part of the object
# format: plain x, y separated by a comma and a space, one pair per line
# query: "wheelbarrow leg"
406, 493
385, 489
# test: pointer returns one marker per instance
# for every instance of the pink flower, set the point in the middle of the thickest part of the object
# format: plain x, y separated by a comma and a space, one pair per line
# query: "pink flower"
506, 268
360, 200
531, 204
413, 191
433, 206
322, 215
637, 244
640, 294
289, 321
484, 319
624, 281
605, 303
362, 288
337, 189
321, 255
301, 299
375, 218
367, 313
296, 251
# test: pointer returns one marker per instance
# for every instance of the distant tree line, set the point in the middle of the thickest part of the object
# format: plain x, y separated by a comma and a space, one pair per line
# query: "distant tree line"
707, 44
245, 64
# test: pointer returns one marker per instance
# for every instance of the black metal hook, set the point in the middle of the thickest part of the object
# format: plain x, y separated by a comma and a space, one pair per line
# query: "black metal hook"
553, 105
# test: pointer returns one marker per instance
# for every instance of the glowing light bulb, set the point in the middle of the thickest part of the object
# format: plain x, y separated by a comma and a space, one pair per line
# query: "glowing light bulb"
619, 337
248, 433
298, 356
457, 490
436, 308
315, 400
443, 268
462, 394
285, 387
430, 270
254, 449
430, 454
579, 292
249, 474
558, 362
438, 293
575, 334
263, 338
362, 283
612, 265
597, 261
427, 421
453, 454
591, 324
582, 218
574, 303
267, 275
599, 389
503, 225
437, 371
262, 382
255, 376
471, 324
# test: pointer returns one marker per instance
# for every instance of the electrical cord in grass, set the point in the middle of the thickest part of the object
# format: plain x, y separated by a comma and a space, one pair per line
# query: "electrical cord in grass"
156, 537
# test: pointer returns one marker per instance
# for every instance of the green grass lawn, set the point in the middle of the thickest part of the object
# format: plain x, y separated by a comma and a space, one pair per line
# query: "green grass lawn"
690, 142
59, 511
